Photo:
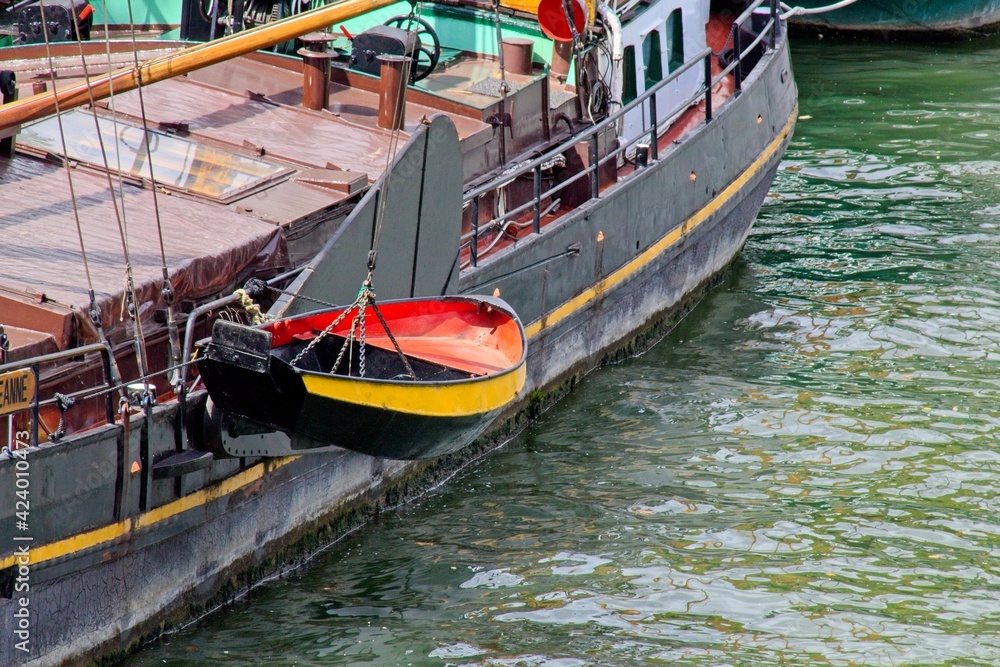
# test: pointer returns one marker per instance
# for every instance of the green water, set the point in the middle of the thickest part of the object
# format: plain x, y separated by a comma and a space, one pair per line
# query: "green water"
805, 472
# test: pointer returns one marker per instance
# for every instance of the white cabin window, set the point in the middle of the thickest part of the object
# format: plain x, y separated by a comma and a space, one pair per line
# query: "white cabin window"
652, 59
675, 40
629, 91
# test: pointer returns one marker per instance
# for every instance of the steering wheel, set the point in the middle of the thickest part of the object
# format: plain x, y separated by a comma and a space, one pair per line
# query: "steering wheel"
426, 56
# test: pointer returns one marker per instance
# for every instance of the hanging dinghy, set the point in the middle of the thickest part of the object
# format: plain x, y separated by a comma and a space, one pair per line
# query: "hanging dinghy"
408, 379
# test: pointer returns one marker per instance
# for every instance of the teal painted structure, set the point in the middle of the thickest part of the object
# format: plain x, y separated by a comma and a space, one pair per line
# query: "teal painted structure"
458, 28
916, 17
144, 12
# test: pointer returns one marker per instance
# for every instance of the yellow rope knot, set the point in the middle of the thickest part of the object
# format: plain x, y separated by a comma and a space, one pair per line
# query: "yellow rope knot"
253, 310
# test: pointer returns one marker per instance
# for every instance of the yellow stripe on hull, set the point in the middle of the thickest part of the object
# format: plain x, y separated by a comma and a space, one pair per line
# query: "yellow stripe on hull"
93, 538
453, 399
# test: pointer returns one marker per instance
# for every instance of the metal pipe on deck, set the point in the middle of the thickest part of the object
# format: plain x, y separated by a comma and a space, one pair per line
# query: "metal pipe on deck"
392, 91
315, 71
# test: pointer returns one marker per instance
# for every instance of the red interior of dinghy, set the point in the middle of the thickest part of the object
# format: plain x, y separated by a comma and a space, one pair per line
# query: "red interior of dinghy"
469, 336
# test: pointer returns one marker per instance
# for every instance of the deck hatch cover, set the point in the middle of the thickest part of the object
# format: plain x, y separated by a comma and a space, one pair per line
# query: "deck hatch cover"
178, 163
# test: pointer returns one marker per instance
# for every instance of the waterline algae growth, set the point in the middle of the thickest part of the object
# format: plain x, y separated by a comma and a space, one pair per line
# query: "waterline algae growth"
803, 473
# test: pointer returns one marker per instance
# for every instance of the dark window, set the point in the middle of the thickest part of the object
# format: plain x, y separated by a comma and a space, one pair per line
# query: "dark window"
652, 58
628, 67
675, 40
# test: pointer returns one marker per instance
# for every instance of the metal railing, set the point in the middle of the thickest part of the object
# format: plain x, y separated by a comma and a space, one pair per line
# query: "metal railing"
592, 135
109, 387
770, 30
35, 364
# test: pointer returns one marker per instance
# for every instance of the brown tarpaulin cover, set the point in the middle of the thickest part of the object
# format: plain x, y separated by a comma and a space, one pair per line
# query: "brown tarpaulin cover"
209, 248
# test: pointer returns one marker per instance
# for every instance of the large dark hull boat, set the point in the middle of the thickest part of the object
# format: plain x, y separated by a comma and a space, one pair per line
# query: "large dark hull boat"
598, 188
905, 18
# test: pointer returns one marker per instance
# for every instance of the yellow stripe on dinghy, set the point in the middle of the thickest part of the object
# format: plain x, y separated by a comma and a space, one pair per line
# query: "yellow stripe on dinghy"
447, 399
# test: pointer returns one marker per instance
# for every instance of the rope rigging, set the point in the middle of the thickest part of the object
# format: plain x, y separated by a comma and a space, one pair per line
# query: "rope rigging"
94, 312
166, 290
129, 302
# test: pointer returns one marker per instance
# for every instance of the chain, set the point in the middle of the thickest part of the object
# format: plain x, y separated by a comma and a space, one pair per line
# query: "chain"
361, 341
385, 326
366, 297
347, 344
323, 334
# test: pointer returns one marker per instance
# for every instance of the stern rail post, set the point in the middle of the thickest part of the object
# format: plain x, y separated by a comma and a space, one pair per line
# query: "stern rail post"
654, 149
774, 23
537, 194
109, 380
708, 89
738, 56
595, 177
474, 242
36, 371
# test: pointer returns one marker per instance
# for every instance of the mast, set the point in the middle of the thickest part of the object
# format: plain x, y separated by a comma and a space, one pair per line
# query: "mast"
184, 61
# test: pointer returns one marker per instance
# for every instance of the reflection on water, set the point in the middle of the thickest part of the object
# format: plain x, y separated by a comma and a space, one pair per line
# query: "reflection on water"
804, 473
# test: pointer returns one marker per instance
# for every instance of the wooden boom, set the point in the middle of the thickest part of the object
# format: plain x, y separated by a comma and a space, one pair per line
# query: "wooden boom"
184, 61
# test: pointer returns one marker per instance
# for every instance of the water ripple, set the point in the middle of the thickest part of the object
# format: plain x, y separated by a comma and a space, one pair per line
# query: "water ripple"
805, 472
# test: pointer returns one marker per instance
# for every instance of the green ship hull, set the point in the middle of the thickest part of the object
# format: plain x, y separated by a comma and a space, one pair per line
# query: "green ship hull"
912, 17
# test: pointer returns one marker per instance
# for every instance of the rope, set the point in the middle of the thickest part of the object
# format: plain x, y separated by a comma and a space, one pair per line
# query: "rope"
366, 295
803, 11
390, 154
257, 316
65, 404
130, 295
62, 137
145, 133
504, 86
94, 312
167, 290
256, 287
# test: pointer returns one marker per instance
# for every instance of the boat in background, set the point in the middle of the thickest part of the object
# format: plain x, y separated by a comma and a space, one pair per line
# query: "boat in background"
422, 379
900, 18
597, 169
